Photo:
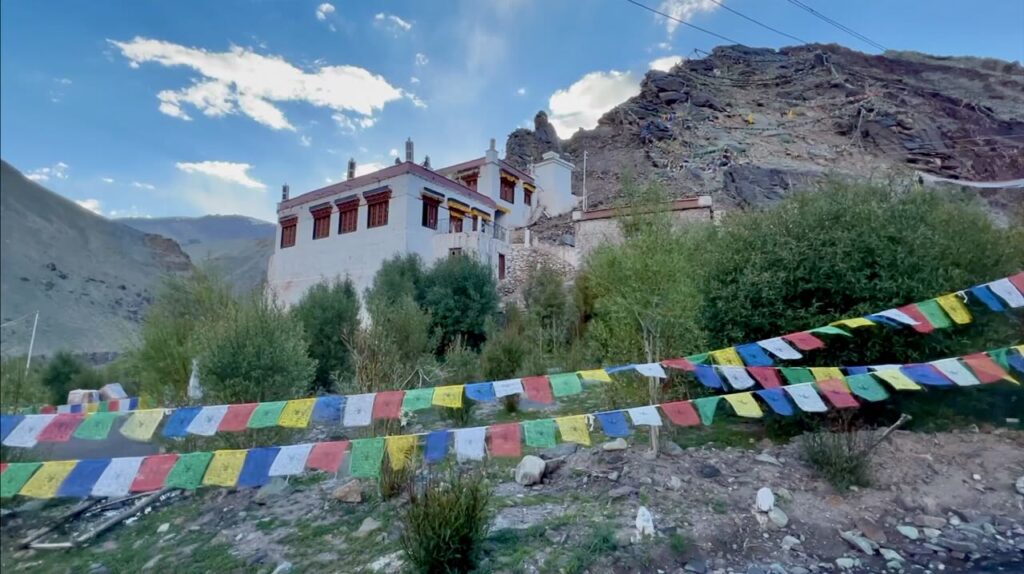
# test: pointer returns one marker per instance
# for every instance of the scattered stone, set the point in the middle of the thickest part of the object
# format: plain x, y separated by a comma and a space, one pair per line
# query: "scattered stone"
799, 570
560, 451
152, 562
957, 545
929, 505
908, 531
709, 471
755, 570
620, 491
698, 565
783, 494
846, 563
768, 459
644, 523
890, 554
389, 564
369, 525
1020, 486
858, 542
871, 529
789, 542
672, 449
778, 517
930, 521
530, 470
976, 476
617, 444
675, 483
776, 568
765, 499
283, 568
623, 537
954, 520
553, 536
351, 492
894, 565
163, 528
931, 532
907, 502
276, 487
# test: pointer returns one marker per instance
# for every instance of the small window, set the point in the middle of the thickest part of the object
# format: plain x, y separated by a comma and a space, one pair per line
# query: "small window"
454, 251
508, 190
454, 222
527, 196
430, 208
475, 222
288, 229
348, 217
377, 208
321, 223
501, 266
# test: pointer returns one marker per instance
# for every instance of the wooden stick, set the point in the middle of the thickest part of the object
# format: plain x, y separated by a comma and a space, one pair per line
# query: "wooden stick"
118, 518
51, 545
904, 418
112, 503
66, 517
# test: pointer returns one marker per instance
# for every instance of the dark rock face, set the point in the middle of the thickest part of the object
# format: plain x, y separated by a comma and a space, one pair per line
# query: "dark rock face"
524, 146
755, 186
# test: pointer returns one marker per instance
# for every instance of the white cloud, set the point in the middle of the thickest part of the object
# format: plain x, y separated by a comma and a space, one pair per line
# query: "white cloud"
414, 80
352, 125
305, 141
92, 205
393, 152
107, 180
392, 23
58, 170
241, 81
665, 64
683, 10
422, 59
521, 91
323, 10
63, 81
143, 185
228, 171
583, 103
665, 46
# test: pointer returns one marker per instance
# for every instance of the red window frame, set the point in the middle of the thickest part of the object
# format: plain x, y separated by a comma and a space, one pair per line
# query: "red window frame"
321, 222
289, 228
507, 190
431, 207
377, 204
348, 215
454, 221
527, 195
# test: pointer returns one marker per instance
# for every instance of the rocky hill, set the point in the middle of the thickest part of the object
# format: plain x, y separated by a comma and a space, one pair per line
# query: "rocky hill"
238, 247
90, 278
749, 125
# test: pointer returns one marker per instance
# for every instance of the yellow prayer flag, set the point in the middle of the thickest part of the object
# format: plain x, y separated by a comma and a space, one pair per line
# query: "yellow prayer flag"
450, 396
400, 449
45, 482
897, 380
854, 322
744, 405
955, 308
826, 373
574, 429
92, 407
141, 424
225, 466
296, 413
595, 375
727, 357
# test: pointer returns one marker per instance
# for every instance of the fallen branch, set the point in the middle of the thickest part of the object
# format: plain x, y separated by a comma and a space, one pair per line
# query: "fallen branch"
904, 418
119, 501
66, 517
121, 517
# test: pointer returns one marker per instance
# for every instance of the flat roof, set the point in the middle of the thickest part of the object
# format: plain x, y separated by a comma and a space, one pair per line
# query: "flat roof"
675, 205
482, 160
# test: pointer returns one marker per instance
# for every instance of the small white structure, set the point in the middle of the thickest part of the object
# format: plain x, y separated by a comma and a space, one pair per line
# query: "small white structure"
349, 229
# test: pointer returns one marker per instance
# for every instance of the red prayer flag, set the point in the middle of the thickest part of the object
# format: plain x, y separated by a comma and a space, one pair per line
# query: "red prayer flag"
388, 405
804, 341
506, 440
837, 393
1018, 281
237, 417
113, 405
768, 377
327, 456
681, 413
47, 410
60, 428
538, 390
3, 467
153, 472
681, 364
987, 370
914, 312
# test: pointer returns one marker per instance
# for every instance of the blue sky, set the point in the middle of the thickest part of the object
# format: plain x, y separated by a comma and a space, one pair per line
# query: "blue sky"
194, 107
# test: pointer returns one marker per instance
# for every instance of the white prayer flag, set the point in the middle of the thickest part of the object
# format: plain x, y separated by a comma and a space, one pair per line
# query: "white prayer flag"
885, 367
358, 410
207, 421
956, 372
508, 387
897, 315
738, 377
125, 405
63, 409
290, 460
469, 443
1008, 292
118, 477
780, 348
24, 435
645, 416
806, 398
651, 370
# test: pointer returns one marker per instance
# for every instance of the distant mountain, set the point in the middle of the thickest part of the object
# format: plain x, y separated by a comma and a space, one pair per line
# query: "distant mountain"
90, 278
237, 247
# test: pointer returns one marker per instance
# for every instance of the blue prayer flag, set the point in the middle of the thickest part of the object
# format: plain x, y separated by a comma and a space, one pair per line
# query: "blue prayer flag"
985, 295
177, 424
481, 392
328, 409
776, 399
857, 370
82, 478
926, 375
887, 321
618, 369
708, 376
7, 424
614, 423
437, 446
256, 469
1016, 360
754, 356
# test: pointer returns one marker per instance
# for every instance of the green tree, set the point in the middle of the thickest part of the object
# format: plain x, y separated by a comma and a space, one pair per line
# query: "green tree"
398, 278
18, 388
507, 347
59, 375
460, 294
550, 307
329, 314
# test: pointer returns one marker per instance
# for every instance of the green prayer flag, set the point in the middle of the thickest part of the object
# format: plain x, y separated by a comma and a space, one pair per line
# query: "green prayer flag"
934, 313
365, 457
797, 375
706, 407
16, 475
539, 433
1000, 357
830, 330
866, 387
96, 426
417, 399
701, 358
565, 384
266, 415
188, 471
103, 407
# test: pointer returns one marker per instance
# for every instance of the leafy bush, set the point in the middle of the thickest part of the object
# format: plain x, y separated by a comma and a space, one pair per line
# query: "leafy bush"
59, 376
842, 458
18, 388
550, 308
460, 294
445, 523
398, 278
461, 365
329, 313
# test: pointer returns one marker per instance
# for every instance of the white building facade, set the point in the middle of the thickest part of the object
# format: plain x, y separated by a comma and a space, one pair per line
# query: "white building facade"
349, 229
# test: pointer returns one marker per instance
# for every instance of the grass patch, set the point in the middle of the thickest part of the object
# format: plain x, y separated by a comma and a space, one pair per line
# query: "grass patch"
678, 543
588, 551
445, 523
841, 458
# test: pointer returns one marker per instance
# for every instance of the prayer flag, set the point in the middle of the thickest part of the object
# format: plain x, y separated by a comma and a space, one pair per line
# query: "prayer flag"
327, 456
866, 387
897, 379
96, 426
565, 384
854, 322
706, 406
539, 433
738, 377
598, 375
400, 450
358, 410
25, 434
388, 405
744, 405
481, 392
680, 364
256, 468
986, 369
60, 428
768, 377
915, 313
780, 348
826, 373
1016, 360
449, 396
797, 375
469, 443
926, 375
837, 393
153, 472
933, 313
727, 356
208, 420
366, 457
177, 424
508, 387
754, 356
538, 390
708, 376
700, 358
225, 467
266, 415
118, 477
833, 330
985, 295
8, 423
47, 479
776, 399
804, 341
806, 398
296, 413
506, 440
417, 399
574, 429
290, 460
896, 315
237, 417
645, 416
82, 478
613, 423
1001, 357
955, 308
437, 446
681, 413
328, 409
14, 476
189, 470
1017, 280
651, 370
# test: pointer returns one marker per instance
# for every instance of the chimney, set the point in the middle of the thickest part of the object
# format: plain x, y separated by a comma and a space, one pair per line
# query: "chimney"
492, 153
351, 167
408, 150
397, 161
426, 161
284, 192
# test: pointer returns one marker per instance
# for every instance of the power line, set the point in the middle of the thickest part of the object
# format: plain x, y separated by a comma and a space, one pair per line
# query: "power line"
683, 22
846, 29
759, 23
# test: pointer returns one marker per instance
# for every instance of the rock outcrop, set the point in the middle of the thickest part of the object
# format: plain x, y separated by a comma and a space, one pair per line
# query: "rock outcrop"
524, 146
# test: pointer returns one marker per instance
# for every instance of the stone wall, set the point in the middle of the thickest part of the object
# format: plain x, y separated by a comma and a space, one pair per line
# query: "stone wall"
523, 259
592, 233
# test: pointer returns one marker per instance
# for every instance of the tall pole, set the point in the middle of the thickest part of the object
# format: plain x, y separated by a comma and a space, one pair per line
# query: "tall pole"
31, 343
584, 180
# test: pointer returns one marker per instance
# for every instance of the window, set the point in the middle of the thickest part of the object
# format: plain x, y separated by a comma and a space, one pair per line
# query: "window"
430, 208
470, 180
527, 195
501, 266
475, 220
508, 189
454, 221
321, 222
377, 208
454, 251
288, 229
348, 215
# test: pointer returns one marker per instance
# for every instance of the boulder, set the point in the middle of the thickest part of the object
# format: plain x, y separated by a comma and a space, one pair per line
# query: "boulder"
858, 542
930, 521
644, 523
908, 531
765, 499
671, 97
369, 525
530, 470
705, 100
672, 449
617, 444
351, 492
778, 517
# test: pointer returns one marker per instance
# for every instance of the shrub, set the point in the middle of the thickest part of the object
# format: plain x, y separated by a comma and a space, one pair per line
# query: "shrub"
59, 376
842, 458
329, 313
461, 366
400, 277
549, 307
18, 388
445, 523
460, 294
